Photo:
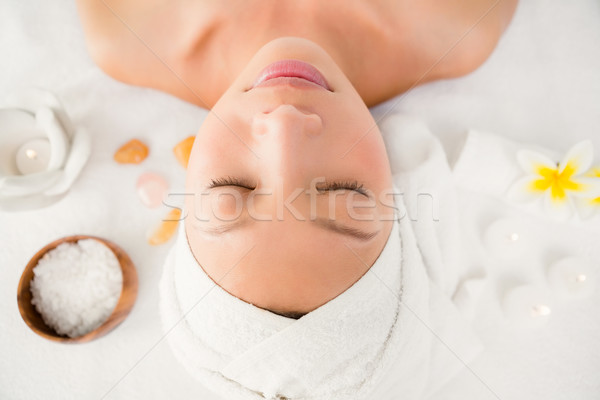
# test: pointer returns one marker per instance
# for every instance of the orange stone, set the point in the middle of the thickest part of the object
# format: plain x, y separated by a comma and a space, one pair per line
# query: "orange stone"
183, 149
132, 152
166, 229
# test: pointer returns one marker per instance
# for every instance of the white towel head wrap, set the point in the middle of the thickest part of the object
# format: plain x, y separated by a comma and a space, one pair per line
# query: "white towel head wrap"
341, 350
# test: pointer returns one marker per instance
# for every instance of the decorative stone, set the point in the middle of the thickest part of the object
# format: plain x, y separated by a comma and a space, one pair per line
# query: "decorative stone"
163, 232
132, 152
151, 189
183, 150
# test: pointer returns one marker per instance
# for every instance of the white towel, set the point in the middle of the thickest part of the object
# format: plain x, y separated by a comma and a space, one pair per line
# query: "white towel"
377, 335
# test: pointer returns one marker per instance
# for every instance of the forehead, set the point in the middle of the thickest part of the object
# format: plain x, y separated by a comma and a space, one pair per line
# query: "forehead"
275, 266
286, 264
290, 242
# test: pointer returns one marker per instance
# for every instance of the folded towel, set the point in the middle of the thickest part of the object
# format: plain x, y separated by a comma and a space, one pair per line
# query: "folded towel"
385, 332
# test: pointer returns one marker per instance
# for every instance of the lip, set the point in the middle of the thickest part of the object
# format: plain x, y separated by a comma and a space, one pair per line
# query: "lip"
294, 73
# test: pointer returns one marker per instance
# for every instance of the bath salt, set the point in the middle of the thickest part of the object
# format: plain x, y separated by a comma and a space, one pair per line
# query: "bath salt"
76, 286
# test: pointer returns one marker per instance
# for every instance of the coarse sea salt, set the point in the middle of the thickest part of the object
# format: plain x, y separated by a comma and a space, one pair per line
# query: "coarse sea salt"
76, 286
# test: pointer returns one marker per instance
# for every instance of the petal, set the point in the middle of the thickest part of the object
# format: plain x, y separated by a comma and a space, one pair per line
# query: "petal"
532, 162
579, 158
59, 142
587, 208
558, 193
594, 172
25, 185
588, 188
522, 190
559, 209
76, 160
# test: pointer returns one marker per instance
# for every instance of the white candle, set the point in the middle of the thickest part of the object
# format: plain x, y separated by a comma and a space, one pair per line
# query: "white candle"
528, 306
33, 156
573, 276
507, 239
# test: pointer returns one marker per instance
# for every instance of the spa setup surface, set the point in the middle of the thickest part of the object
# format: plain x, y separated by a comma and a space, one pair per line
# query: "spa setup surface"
527, 286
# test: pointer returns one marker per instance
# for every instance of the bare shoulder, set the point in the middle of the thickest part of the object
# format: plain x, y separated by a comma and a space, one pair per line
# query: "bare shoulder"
126, 38
469, 32
431, 40
149, 43
103, 29
170, 45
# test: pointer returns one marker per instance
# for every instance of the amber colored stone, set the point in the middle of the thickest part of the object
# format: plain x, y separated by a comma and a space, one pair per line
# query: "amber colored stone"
183, 149
166, 229
132, 152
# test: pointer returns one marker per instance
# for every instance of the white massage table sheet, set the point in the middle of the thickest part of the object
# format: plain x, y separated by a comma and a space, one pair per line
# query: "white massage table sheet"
542, 85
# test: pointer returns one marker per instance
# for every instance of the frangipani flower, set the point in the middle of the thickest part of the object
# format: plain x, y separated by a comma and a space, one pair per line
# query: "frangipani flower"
558, 184
590, 205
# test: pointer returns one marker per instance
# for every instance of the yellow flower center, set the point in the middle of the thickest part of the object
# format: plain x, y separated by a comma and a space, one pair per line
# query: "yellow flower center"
558, 183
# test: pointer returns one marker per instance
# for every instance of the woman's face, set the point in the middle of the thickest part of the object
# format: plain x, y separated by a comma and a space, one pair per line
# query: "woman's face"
291, 185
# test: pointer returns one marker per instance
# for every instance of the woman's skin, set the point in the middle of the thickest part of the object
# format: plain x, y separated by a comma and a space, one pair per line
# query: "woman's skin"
303, 201
195, 49
277, 141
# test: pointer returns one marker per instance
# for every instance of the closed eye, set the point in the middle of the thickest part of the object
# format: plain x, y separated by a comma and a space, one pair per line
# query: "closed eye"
322, 187
230, 181
342, 185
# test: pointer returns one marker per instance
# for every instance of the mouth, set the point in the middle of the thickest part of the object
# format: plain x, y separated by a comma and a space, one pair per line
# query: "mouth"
291, 73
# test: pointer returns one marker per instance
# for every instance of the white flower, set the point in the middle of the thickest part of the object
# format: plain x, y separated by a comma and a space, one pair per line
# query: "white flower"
42, 154
559, 185
589, 206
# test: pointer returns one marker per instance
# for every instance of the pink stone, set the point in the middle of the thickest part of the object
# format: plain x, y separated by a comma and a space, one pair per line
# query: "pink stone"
151, 189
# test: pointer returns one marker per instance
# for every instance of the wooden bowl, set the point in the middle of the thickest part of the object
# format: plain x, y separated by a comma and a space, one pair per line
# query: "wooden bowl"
128, 294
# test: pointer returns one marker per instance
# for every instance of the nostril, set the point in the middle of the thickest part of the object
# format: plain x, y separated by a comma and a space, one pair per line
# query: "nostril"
313, 125
286, 118
259, 126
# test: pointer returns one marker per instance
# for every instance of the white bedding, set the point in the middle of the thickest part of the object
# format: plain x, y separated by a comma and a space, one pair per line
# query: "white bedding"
542, 85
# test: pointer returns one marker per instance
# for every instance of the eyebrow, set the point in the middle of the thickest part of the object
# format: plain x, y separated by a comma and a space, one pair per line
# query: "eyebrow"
323, 223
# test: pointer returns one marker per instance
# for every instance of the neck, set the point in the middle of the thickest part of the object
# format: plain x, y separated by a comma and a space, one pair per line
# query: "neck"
255, 26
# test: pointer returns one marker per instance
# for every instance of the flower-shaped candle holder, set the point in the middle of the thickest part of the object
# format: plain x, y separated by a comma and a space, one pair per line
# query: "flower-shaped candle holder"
41, 153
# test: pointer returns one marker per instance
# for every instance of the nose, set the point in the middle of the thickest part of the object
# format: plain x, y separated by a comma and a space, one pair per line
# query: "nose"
287, 141
287, 120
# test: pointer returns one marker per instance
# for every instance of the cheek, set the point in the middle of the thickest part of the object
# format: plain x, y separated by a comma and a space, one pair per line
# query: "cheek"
215, 208
218, 147
375, 171
368, 162
210, 142
374, 156
357, 134
371, 152
227, 204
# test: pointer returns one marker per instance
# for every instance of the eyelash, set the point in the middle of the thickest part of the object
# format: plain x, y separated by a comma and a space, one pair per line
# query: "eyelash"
327, 186
230, 181
343, 185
